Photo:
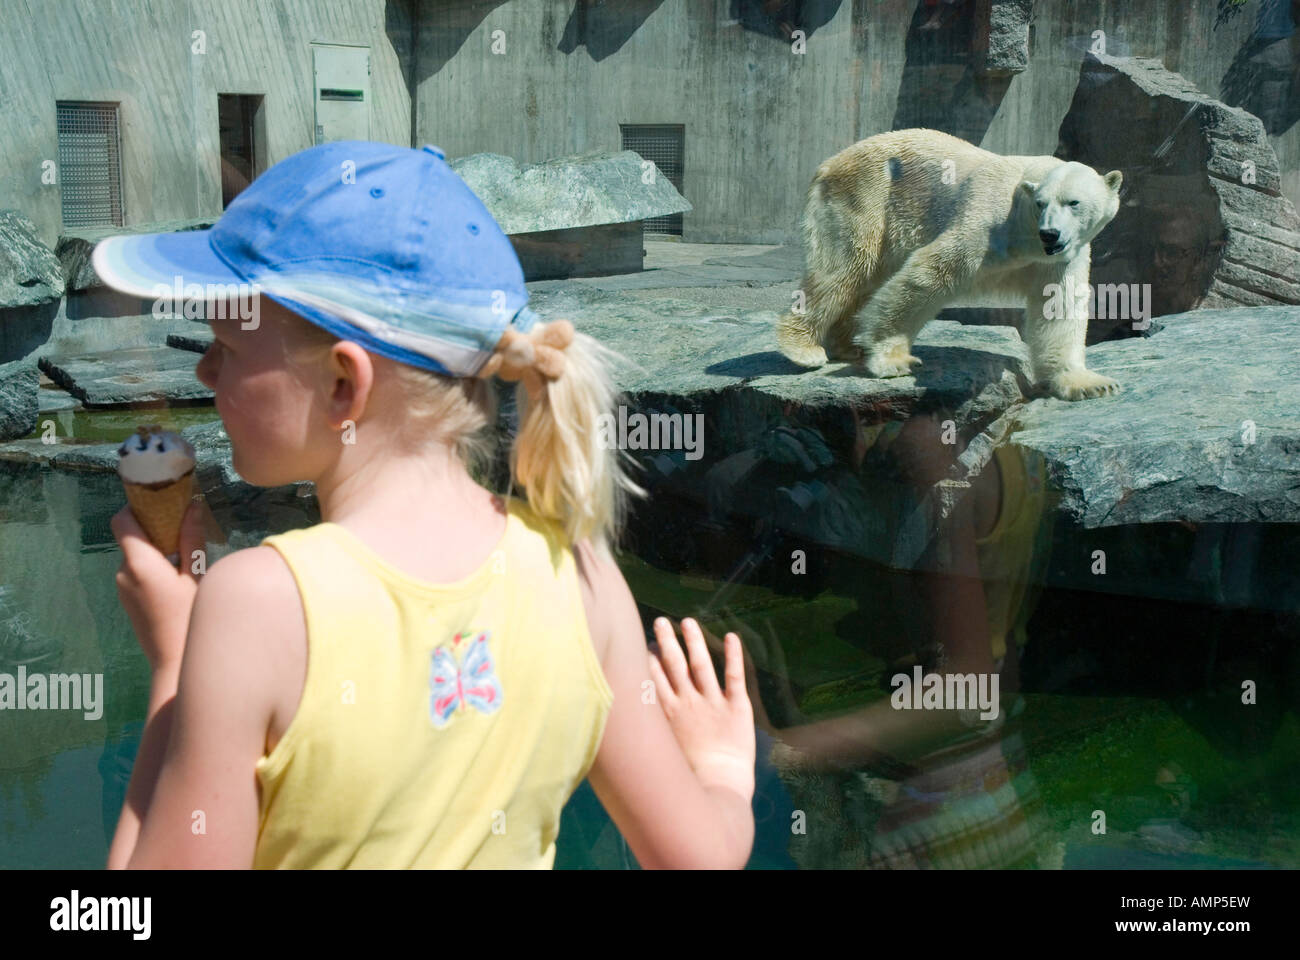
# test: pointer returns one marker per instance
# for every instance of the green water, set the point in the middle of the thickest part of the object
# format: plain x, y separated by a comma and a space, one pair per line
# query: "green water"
114, 426
1172, 792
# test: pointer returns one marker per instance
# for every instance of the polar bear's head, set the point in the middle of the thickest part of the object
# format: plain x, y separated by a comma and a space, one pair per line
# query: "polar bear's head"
1072, 204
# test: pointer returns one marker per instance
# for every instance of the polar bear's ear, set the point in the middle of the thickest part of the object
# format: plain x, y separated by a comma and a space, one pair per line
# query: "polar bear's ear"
1028, 188
1113, 180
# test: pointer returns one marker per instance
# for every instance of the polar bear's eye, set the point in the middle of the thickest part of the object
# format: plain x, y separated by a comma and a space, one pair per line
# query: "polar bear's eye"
1074, 203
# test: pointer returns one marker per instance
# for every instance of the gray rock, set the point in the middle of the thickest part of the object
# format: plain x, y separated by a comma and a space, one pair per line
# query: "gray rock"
122, 377
1202, 217
29, 270
1177, 444
19, 399
75, 247
575, 191
1002, 37
687, 351
54, 400
196, 342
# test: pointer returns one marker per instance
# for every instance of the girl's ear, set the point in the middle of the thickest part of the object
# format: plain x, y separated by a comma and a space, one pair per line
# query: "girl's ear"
352, 379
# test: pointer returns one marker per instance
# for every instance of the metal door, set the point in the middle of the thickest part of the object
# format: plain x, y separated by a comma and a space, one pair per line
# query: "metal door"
341, 75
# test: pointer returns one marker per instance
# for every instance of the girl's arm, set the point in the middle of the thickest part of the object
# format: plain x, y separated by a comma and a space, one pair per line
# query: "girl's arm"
193, 801
670, 814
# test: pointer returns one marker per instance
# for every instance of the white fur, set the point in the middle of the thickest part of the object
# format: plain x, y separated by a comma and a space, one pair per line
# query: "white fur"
885, 234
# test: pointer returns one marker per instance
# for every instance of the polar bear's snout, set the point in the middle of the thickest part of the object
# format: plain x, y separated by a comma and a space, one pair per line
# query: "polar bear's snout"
1058, 224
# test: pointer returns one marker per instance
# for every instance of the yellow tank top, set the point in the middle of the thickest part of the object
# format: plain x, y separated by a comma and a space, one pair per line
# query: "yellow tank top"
440, 725
1011, 556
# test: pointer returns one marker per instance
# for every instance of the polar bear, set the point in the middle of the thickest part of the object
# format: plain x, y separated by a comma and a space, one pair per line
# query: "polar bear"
912, 221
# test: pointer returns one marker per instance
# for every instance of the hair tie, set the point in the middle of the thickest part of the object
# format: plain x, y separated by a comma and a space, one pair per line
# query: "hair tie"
530, 356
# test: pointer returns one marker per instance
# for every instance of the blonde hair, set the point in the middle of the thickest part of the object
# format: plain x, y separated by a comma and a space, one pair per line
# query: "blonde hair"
557, 458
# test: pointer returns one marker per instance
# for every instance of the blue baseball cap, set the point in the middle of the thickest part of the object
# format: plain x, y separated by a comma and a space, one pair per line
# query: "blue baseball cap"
379, 244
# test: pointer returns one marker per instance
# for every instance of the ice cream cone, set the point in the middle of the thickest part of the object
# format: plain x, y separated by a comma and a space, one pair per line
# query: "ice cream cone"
160, 509
157, 471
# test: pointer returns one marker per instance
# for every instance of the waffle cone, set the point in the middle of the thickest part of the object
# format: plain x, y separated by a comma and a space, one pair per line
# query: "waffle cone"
160, 509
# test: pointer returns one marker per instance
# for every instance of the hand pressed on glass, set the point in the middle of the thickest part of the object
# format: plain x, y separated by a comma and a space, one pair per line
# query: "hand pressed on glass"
714, 727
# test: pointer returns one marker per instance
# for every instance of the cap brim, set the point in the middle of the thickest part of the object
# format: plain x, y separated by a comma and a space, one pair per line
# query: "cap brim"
139, 265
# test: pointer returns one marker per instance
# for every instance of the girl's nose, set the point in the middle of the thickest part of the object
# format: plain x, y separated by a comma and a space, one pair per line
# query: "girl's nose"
204, 369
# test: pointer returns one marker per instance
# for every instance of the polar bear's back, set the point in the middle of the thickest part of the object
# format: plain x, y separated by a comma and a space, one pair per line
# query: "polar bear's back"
900, 189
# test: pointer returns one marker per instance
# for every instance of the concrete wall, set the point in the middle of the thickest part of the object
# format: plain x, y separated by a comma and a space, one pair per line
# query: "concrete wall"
758, 118
140, 53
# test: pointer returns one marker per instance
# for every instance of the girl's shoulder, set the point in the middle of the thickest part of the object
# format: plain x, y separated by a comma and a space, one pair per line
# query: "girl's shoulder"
531, 521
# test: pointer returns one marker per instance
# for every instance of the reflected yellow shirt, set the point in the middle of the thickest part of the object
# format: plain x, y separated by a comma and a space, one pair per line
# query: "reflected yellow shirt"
440, 725
1011, 558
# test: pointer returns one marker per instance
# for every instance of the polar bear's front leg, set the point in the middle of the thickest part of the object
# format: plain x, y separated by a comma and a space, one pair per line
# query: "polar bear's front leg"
1056, 326
911, 298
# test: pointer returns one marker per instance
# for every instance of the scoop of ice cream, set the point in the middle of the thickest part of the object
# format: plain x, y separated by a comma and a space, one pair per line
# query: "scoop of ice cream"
154, 455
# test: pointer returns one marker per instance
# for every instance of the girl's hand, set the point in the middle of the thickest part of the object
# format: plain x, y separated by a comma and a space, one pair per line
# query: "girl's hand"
714, 728
156, 596
762, 653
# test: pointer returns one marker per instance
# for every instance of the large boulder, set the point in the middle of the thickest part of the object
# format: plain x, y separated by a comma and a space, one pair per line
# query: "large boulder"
29, 270
19, 399
578, 216
1203, 219
565, 192
76, 245
1206, 430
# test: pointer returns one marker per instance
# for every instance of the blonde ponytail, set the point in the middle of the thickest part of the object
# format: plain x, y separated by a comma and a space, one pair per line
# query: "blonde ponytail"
568, 471
559, 456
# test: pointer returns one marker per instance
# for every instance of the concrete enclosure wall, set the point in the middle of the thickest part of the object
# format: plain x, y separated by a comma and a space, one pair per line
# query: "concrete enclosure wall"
760, 118
142, 54
536, 79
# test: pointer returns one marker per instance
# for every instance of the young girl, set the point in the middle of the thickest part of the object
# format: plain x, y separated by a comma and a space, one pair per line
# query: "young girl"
423, 678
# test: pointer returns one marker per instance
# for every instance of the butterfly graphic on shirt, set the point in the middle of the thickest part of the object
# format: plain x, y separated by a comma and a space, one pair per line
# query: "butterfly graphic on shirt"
472, 682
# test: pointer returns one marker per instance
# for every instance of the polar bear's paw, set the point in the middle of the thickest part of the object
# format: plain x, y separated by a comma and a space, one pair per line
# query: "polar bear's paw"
804, 354
795, 345
845, 353
1082, 385
895, 361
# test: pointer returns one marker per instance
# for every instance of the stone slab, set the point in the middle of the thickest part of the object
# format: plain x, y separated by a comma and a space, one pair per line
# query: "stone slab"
575, 191
688, 350
124, 377
1206, 430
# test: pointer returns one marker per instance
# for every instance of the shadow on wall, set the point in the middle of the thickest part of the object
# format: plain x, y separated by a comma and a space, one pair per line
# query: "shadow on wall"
780, 18
603, 26
1264, 77
940, 88
24, 329
426, 34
